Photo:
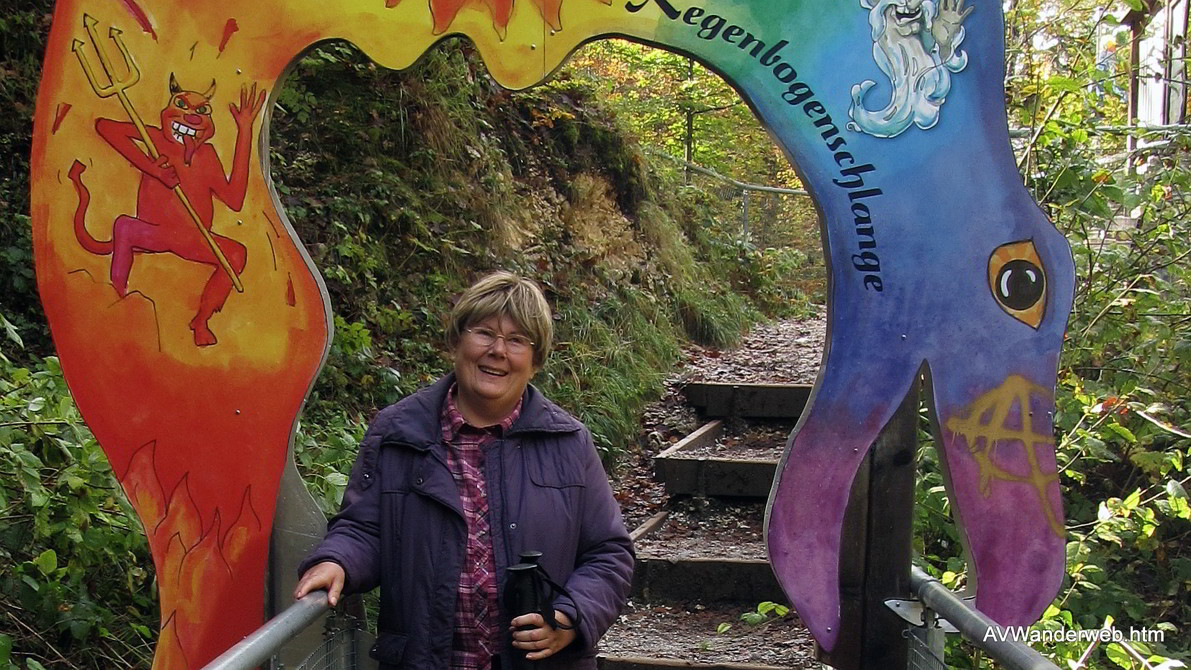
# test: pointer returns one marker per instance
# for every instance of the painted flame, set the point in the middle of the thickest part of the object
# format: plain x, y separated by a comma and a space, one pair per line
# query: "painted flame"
193, 564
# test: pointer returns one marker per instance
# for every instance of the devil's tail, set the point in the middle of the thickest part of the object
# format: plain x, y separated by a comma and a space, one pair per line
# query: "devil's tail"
102, 247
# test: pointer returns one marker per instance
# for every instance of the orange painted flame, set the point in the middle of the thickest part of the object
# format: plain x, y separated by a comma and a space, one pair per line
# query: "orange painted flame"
193, 564
198, 436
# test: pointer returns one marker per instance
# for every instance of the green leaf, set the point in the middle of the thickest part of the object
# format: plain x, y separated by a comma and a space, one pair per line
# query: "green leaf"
10, 331
5, 649
1121, 431
1118, 655
31, 582
752, 618
724, 627
1175, 490
38, 497
46, 562
1061, 83
33, 665
1180, 508
1132, 500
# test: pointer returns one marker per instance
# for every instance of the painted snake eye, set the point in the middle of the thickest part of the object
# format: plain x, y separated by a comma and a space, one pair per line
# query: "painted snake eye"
179, 103
1018, 281
203, 109
1020, 284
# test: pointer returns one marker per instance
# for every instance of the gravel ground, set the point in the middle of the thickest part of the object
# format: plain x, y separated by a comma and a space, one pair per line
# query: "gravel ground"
639, 495
708, 528
691, 634
745, 440
782, 352
774, 353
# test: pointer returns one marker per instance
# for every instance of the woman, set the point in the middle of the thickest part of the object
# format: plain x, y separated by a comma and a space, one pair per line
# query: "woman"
450, 486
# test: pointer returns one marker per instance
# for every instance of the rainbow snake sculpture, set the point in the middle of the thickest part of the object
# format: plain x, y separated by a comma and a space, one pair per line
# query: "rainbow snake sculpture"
191, 323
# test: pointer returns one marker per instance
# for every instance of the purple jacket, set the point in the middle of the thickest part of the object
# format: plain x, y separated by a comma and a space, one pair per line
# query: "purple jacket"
401, 526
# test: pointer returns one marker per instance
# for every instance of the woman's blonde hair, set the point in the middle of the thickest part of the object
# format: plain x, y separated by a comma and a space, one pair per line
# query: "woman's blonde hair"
505, 294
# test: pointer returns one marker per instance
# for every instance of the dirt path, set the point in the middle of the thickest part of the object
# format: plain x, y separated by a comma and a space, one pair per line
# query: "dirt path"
773, 353
778, 352
781, 352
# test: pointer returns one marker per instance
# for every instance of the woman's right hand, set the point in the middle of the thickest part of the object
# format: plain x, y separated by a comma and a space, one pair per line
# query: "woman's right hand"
326, 575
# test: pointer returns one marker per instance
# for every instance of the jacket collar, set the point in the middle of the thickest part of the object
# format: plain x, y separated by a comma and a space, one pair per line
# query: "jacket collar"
414, 420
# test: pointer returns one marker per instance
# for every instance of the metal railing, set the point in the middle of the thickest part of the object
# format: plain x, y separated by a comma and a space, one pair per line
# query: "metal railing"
937, 604
263, 643
937, 610
759, 204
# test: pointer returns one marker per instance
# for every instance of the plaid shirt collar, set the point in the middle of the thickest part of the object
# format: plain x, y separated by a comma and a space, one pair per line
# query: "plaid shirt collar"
454, 422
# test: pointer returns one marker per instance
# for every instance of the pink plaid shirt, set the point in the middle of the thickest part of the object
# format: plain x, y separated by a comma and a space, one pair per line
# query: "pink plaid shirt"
478, 631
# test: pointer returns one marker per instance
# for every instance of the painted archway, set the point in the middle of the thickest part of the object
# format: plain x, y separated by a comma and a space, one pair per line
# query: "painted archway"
190, 323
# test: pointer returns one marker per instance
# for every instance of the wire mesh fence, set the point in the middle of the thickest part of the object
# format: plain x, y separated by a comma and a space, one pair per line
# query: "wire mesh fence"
338, 650
921, 654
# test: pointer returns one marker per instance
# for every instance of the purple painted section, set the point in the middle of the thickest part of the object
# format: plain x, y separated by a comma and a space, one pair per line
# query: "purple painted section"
938, 257
1005, 492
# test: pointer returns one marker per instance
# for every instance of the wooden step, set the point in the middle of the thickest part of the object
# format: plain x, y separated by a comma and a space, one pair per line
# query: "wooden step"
648, 636
706, 580
706, 552
686, 471
758, 401
608, 662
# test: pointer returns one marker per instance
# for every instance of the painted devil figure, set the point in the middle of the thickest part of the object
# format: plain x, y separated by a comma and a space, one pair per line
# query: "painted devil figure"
176, 194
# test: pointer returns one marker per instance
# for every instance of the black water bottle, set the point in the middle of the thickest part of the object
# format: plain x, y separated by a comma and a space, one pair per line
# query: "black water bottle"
527, 592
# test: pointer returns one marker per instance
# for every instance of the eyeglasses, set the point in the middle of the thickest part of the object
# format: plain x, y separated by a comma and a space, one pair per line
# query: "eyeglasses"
486, 337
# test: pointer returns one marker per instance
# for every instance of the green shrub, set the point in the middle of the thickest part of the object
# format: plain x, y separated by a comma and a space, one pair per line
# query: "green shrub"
75, 569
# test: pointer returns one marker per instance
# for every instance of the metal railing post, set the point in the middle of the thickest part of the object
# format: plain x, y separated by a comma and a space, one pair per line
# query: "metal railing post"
744, 194
974, 626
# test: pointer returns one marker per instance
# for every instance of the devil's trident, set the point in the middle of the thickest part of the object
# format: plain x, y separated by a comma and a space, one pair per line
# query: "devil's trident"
119, 89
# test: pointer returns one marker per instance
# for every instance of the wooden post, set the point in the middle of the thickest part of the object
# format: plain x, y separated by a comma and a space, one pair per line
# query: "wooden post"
875, 554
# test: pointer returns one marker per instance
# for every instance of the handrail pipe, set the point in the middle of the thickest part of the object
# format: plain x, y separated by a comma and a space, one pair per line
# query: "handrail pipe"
974, 626
258, 647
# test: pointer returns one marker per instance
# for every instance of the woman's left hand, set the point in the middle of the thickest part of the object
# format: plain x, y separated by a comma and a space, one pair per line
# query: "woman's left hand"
541, 640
